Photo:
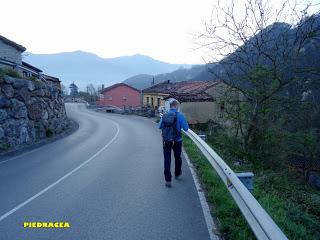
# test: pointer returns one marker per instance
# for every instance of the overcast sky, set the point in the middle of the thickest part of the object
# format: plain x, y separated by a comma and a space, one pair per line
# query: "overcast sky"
160, 29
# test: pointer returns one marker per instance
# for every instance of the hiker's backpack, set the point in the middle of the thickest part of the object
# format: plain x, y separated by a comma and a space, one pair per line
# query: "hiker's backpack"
169, 127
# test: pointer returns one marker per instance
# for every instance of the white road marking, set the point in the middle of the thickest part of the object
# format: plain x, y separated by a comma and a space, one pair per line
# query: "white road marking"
212, 228
23, 154
7, 214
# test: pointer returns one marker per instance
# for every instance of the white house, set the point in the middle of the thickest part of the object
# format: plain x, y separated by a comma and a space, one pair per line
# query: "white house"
11, 57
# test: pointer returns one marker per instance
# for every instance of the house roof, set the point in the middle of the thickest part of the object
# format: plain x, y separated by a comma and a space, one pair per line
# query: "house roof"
27, 65
118, 85
12, 44
50, 78
187, 91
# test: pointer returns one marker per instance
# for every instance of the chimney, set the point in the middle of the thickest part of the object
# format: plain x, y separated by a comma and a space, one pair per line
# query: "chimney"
102, 87
168, 81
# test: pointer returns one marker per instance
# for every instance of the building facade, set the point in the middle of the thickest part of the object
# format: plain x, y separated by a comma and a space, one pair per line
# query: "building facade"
198, 99
11, 59
11, 51
154, 100
120, 95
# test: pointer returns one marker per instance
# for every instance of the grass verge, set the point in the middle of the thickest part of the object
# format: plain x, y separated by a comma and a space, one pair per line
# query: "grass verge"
292, 216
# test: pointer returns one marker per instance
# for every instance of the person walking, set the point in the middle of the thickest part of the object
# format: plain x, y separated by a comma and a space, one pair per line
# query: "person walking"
171, 124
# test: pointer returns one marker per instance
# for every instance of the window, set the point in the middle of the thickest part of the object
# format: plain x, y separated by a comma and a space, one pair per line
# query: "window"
152, 101
124, 98
158, 102
148, 100
110, 98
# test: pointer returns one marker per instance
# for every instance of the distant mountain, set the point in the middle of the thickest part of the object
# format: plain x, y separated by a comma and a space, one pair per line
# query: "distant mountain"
84, 68
196, 72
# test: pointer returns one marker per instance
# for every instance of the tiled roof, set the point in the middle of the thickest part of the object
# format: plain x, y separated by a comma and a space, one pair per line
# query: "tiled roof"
187, 91
50, 78
12, 44
25, 64
118, 85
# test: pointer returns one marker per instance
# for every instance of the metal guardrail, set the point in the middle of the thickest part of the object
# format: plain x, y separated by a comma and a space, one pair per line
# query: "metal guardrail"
258, 219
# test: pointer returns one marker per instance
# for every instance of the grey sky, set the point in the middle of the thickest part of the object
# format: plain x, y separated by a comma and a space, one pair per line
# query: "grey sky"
160, 29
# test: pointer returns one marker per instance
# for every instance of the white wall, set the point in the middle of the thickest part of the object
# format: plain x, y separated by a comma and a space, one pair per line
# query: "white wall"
10, 53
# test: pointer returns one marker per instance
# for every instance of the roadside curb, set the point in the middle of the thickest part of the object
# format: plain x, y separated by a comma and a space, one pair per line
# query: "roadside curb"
211, 226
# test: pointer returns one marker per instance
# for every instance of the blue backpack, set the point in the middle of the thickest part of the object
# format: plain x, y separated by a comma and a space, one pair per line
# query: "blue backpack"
169, 127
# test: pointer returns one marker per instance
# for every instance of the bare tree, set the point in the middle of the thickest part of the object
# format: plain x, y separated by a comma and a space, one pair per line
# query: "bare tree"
256, 50
92, 92
64, 89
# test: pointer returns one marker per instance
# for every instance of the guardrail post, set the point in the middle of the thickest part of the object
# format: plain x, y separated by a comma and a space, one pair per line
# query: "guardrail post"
203, 136
247, 179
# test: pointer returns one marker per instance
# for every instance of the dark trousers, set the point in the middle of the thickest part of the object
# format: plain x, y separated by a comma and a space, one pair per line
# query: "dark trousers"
176, 147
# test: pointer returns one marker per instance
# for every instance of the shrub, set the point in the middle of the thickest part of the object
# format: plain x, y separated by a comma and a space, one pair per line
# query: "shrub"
49, 132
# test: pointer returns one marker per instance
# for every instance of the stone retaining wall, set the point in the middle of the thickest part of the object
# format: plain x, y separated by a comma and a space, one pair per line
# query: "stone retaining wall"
29, 111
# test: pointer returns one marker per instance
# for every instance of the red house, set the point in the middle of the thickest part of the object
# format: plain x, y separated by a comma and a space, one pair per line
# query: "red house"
120, 95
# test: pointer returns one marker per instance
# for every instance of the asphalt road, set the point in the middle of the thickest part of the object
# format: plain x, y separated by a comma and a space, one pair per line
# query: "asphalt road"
106, 180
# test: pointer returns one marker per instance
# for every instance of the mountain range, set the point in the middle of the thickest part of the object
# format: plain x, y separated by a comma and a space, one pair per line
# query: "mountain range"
196, 72
84, 68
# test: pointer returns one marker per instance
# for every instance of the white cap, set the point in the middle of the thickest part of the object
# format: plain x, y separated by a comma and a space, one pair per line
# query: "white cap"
171, 100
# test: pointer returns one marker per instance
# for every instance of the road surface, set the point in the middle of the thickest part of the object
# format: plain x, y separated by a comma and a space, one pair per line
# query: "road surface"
106, 180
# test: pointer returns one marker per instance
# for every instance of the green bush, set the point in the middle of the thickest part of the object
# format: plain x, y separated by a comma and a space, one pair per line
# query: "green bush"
49, 132
4, 146
10, 72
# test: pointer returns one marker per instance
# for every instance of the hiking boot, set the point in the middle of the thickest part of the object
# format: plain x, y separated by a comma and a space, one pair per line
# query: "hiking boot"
178, 176
168, 184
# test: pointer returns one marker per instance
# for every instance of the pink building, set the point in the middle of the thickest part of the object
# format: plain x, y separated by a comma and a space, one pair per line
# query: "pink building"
120, 95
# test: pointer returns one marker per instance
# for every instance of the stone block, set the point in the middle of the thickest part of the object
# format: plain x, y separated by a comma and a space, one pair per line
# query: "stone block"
1, 133
30, 86
7, 90
35, 110
18, 109
4, 102
3, 115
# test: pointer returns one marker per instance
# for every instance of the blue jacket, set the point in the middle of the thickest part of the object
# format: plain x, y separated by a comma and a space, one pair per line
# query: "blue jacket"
181, 122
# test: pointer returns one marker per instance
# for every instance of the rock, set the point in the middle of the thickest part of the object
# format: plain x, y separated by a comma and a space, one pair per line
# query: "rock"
39, 92
40, 131
18, 109
12, 128
8, 79
19, 83
3, 115
8, 90
39, 85
51, 104
24, 135
31, 131
16, 82
45, 115
1, 133
4, 102
30, 86
13, 143
23, 95
35, 109
28, 110
48, 91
